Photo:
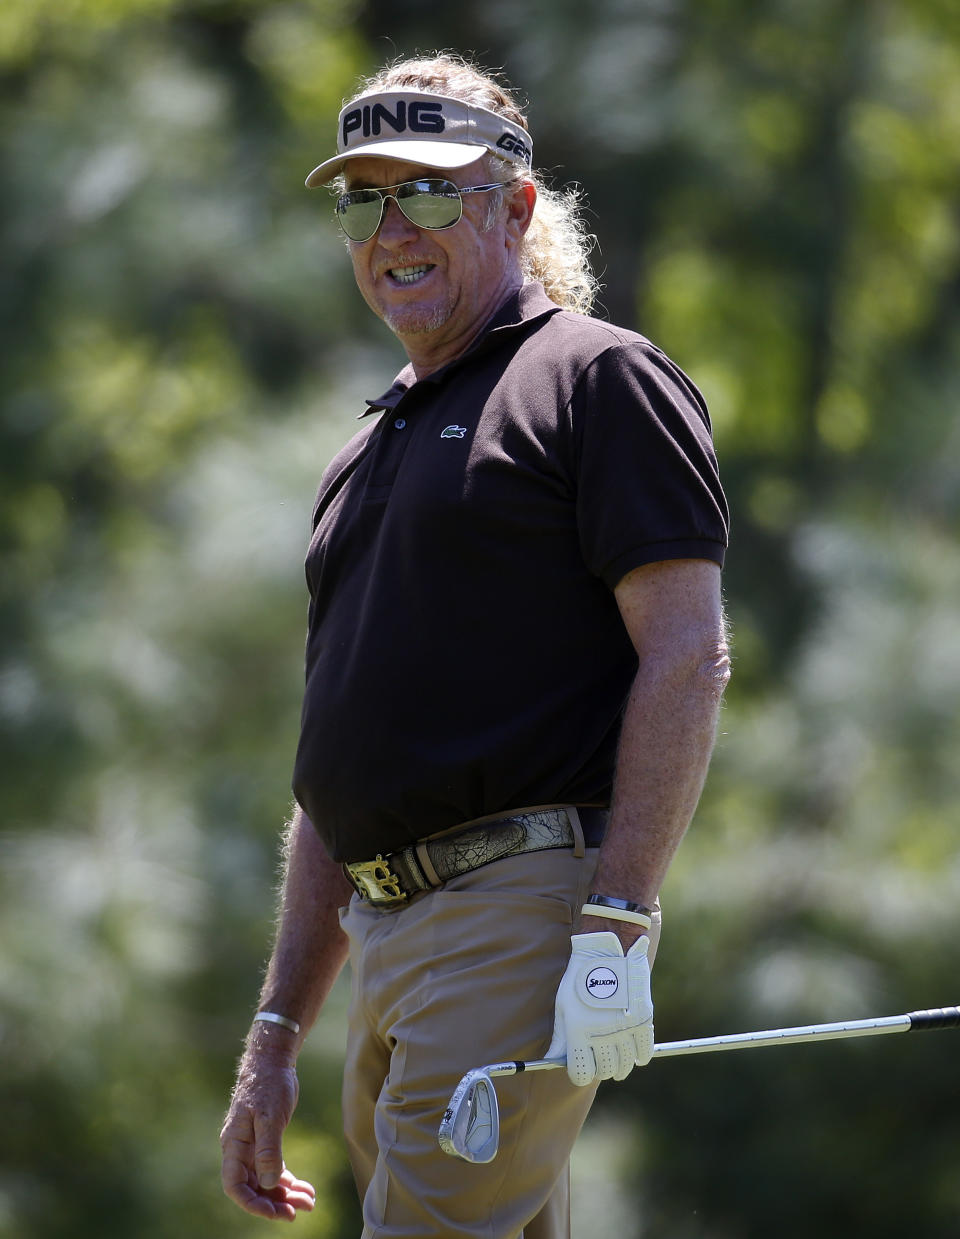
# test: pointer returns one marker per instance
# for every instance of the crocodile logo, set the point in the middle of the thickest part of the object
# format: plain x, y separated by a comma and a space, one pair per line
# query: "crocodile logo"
453, 432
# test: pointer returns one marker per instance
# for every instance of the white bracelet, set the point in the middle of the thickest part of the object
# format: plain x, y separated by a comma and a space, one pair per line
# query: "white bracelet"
616, 914
268, 1017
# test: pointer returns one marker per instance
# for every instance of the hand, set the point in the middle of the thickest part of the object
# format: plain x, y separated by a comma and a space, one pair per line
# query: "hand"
604, 1013
253, 1172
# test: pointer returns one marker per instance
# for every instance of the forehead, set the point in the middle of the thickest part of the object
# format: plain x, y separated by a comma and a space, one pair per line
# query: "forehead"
371, 172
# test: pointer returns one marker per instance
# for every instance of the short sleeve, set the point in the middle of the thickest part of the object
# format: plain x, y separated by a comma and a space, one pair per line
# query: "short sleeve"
648, 486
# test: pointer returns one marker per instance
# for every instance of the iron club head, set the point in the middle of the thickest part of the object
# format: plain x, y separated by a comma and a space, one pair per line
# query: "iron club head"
471, 1122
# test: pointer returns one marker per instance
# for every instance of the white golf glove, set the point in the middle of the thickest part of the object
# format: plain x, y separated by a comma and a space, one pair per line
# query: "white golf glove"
604, 1013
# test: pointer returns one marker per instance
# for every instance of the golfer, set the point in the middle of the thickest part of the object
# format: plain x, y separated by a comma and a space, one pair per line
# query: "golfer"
514, 663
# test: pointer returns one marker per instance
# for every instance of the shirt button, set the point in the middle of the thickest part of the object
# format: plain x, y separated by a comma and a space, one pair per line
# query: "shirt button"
400, 423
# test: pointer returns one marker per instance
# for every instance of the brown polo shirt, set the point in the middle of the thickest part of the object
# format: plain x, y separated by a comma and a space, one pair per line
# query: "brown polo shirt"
465, 654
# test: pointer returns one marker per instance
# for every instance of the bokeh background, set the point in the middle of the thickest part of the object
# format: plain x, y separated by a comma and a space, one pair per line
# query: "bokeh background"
775, 189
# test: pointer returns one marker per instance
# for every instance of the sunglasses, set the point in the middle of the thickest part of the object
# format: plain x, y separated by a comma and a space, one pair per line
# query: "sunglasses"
433, 204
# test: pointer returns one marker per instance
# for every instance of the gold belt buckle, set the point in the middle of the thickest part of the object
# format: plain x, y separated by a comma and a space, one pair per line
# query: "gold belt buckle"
377, 882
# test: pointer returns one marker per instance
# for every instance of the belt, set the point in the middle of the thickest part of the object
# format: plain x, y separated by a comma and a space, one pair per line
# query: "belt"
389, 881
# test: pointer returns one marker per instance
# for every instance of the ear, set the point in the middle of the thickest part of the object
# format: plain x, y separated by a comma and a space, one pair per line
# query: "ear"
520, 207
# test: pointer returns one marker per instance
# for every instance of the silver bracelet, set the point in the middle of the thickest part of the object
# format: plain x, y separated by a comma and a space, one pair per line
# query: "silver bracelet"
268, 1017
617, 910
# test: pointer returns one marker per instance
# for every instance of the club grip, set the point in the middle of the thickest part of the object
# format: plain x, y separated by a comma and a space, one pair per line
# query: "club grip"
939, 1017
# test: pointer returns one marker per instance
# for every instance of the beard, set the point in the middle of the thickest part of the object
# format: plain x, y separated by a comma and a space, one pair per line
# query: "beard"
411, 320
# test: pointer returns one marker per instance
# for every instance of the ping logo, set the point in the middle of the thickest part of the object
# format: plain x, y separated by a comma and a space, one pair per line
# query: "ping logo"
509, 142
453, 432
602, 982
422, 116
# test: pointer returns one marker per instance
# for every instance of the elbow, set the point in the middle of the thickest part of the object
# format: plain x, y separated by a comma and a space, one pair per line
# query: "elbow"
714, 669
694, 669
714, 664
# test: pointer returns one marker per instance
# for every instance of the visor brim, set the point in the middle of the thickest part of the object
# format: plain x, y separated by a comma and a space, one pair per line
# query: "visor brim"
442, 155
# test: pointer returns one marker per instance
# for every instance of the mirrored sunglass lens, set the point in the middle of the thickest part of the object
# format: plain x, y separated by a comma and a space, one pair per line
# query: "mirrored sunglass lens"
359, 214
430, 204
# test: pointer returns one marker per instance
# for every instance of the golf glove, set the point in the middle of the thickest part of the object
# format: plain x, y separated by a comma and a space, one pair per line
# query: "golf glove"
604, 1013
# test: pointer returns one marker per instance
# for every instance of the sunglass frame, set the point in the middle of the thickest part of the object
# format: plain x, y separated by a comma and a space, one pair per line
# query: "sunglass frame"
417, 190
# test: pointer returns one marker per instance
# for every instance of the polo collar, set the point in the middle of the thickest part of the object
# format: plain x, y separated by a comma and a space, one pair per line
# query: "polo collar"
525, 306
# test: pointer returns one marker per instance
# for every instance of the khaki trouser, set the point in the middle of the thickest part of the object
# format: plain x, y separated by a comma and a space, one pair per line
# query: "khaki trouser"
459, 977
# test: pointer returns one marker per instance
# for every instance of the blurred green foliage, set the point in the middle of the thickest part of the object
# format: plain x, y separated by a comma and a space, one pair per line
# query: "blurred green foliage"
776, 193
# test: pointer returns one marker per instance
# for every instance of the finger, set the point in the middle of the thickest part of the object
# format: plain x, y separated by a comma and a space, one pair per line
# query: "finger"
627, 1055
236, 1167
240, 1183
296, 1192
581, 1065
609, 1058
290, 1196
643, 1044
268, 1150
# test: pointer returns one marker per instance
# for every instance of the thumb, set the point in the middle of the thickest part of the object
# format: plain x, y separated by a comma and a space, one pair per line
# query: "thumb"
558, 1045
268, 1152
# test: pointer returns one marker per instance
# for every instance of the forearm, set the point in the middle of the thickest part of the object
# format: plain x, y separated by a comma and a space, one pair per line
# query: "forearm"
309, 951
310, 947
667, 738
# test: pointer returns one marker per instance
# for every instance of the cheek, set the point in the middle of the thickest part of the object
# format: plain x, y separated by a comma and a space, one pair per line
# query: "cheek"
361, 274
359, 266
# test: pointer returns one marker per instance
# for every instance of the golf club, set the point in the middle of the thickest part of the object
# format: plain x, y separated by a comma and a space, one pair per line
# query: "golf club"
470, 1127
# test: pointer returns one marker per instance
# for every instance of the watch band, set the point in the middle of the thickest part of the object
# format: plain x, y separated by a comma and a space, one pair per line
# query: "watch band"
617, 910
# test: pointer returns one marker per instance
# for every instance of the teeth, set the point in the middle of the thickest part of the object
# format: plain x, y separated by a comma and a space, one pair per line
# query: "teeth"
409, 275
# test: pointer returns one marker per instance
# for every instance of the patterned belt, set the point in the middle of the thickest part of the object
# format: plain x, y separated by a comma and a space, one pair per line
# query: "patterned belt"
389, 881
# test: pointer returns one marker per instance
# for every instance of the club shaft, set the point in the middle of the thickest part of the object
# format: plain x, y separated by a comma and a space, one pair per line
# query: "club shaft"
940, 1017
532, 1064
785, 1036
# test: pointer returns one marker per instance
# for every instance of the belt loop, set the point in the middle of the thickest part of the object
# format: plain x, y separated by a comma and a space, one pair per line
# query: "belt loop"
573, 816
426, 864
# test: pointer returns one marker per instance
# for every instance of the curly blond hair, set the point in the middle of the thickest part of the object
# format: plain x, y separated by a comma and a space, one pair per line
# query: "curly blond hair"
557, 245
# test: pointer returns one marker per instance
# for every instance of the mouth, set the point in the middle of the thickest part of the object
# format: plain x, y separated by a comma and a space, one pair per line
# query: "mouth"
413, 274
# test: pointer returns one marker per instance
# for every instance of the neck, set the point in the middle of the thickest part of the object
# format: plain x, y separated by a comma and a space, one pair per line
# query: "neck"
431, 350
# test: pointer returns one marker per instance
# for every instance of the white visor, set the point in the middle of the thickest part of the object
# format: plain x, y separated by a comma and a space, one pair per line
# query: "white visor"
433, 130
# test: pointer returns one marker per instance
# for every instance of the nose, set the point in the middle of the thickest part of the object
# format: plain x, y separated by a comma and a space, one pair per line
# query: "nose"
395, 228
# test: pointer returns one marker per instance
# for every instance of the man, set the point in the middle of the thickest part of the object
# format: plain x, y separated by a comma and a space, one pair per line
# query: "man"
515, 659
